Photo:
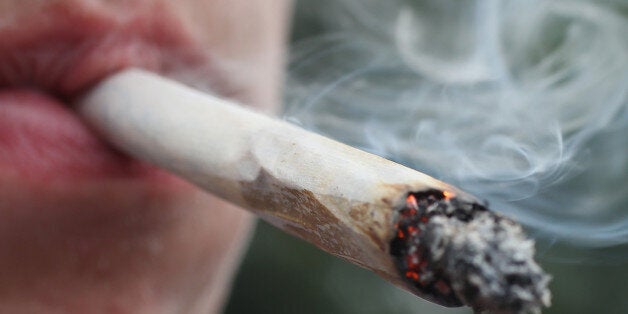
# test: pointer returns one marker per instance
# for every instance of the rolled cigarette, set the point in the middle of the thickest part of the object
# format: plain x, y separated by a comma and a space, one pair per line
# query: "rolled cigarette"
419, 233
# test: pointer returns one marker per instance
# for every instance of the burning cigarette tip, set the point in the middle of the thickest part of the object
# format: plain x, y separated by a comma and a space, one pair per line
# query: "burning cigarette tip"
456, 252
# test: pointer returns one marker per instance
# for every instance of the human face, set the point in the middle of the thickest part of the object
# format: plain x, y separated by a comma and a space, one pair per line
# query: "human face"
84, 228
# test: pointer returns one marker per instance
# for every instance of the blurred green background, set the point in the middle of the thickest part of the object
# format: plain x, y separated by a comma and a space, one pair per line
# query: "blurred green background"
282, 274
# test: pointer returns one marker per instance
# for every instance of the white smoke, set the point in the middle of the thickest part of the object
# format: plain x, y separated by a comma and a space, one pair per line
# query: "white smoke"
523, 102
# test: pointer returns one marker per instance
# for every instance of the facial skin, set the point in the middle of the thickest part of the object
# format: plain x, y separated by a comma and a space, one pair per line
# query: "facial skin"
83, 228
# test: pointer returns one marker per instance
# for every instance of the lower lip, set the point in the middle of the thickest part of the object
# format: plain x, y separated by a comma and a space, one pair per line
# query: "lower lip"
42, 139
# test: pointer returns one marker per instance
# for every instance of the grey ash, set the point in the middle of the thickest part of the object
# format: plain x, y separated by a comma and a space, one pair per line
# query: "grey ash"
455, 252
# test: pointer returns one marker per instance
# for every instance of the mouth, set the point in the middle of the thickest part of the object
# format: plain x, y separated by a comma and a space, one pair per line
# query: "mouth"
49, 57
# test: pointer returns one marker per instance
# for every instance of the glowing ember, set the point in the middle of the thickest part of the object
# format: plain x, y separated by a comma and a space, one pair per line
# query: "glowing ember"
448, 194
455, 252
413, 218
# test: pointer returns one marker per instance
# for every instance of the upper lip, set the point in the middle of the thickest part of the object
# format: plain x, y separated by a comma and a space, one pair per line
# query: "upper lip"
62, 50
51, 55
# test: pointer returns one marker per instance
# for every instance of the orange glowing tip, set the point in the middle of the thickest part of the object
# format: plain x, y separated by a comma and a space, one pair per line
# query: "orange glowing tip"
412, 275
449, 194
411, 201
400, 234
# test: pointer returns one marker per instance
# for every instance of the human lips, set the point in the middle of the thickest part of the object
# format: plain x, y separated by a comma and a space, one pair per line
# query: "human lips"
49, 57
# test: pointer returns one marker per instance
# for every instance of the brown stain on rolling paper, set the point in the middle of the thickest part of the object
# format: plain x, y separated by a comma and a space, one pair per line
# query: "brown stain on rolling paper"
301, 213
364, 213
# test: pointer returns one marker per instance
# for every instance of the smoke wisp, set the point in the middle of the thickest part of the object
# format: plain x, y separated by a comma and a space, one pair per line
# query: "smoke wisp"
524, 103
